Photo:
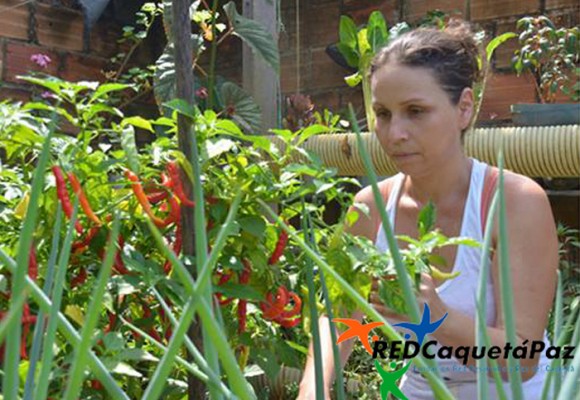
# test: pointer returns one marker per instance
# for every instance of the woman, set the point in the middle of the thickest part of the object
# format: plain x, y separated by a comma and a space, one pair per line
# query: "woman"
422, 85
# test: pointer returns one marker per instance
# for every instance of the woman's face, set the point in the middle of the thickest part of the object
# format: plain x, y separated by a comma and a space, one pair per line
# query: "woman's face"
416, 122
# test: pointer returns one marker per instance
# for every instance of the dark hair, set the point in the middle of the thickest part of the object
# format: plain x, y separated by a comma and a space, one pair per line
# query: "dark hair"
451, 54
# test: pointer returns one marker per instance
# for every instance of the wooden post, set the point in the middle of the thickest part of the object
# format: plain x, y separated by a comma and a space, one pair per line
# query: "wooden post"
259, 80
183, 52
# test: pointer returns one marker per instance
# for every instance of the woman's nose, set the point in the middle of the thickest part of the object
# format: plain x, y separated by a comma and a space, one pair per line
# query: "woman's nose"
397, 130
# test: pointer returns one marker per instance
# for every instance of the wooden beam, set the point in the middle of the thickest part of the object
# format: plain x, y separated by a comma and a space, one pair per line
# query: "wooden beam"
259, 80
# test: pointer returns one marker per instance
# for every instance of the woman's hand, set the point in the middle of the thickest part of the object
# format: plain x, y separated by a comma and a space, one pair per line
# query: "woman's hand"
427, 294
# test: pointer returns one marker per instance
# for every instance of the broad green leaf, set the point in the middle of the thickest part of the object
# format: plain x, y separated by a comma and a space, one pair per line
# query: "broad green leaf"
490, 48
350, 55
164, 80
182, 107
364, 46
138, 122
75, 313
347, 32
255, 35
239, 291
108, 88
254, 225
426, 219
377, 33
310, 131
242, 107
130, 148
125, 369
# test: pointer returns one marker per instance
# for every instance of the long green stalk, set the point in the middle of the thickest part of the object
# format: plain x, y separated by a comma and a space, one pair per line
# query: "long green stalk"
11, 317
339, 380
50, 337
571, 385
201, 363
557, 331
318, 374
505, 283
92, 316
566, 336
437, 385
67, 330
197, 303
10, 382
192, 368
210, 352
39, 327
481, 336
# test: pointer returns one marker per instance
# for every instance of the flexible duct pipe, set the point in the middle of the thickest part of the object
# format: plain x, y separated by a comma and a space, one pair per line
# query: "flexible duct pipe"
535, 151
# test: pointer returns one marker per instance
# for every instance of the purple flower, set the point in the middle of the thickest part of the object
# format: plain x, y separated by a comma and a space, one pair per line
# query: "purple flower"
42, 60
47, 95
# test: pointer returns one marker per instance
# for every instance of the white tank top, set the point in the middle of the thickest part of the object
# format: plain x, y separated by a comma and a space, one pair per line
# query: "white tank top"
460, 294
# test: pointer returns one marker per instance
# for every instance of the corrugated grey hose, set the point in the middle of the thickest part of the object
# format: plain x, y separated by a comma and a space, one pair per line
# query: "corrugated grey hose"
535, 151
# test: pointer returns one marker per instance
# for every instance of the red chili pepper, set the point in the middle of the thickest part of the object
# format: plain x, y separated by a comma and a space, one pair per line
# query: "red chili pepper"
276, 308
156, 197
142, 198
32, 264
151, 331
84, 243
242, 315
224, 278
177, 244
27, 320
79, 278
279, 249
243, 304
96, 385
173, 170
86, 206
62, 194
119, 264
174, 211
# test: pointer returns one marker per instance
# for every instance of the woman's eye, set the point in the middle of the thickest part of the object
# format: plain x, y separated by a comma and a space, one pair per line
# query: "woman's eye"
383, 113
415, 111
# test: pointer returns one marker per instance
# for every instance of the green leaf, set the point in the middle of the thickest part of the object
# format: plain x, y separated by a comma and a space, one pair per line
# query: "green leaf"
138, 122
214, 149
377, 34
426, 219
164, 80
182, 107
130, 147
242, 106
347, 32
108, 88
490, 48
255, 35
239, 291
350, 55
254, 225
354, 79
310, 131
122, 368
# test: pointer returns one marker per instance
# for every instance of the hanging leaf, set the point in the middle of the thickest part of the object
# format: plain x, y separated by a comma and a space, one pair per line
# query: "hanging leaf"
255, 35
426, 219
164, 79
240, 106
130, 147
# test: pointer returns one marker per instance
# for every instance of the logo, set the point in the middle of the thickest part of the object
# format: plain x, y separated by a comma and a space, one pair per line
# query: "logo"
410, 349
390, 378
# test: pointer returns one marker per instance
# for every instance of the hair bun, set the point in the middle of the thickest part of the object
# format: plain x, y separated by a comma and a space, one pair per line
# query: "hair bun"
462, 31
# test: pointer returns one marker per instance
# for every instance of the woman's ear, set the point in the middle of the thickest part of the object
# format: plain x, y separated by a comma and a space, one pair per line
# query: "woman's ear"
466, 107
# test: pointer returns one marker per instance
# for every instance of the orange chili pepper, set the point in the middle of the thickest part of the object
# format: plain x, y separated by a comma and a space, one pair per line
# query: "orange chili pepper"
86, 206
142, 198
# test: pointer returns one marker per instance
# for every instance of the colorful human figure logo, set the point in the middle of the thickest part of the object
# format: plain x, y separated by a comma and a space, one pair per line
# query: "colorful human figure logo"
389, 384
